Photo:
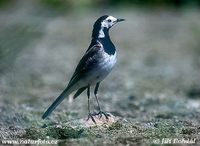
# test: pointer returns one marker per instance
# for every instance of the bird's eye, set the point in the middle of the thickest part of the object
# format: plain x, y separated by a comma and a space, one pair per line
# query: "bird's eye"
109, 20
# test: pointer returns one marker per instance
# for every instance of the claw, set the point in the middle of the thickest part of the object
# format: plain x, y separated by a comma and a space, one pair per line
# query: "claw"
103, 113
91, 116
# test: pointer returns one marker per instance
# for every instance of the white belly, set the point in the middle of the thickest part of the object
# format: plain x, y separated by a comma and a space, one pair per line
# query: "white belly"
102, 70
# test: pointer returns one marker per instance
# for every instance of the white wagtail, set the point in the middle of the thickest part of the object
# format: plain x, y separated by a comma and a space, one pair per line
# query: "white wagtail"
94, 66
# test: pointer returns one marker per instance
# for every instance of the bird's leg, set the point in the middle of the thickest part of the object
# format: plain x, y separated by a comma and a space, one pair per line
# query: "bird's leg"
96, 96
89, 113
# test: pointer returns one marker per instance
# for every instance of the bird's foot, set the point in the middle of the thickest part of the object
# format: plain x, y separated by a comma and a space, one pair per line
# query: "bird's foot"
104, 113
90, 116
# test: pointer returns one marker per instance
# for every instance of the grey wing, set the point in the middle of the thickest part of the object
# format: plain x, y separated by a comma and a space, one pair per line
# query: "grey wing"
83, 67
86, 63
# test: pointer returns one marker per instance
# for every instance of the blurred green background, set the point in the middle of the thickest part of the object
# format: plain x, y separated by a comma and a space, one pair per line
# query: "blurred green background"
111, 3
155, 84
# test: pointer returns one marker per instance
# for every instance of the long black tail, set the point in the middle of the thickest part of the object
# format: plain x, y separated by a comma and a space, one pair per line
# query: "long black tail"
58, 100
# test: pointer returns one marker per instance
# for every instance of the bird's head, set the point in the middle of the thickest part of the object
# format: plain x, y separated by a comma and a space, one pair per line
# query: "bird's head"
107, 21
104, 23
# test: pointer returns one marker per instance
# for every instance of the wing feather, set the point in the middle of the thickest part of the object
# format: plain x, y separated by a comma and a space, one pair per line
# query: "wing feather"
85, 64
82, 68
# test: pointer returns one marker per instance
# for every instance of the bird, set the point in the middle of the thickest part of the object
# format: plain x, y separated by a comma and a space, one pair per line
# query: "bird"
97, 62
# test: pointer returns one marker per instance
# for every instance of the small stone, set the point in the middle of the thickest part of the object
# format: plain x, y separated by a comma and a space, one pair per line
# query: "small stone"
100, 120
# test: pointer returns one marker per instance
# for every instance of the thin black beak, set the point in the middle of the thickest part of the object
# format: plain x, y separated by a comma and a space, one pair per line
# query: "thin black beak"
119, 20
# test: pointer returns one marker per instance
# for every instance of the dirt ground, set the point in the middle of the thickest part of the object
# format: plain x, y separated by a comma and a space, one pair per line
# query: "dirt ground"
154, 90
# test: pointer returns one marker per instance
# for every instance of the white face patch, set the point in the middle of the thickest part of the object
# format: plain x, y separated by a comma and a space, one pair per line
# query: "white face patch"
107, 23
101, 33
